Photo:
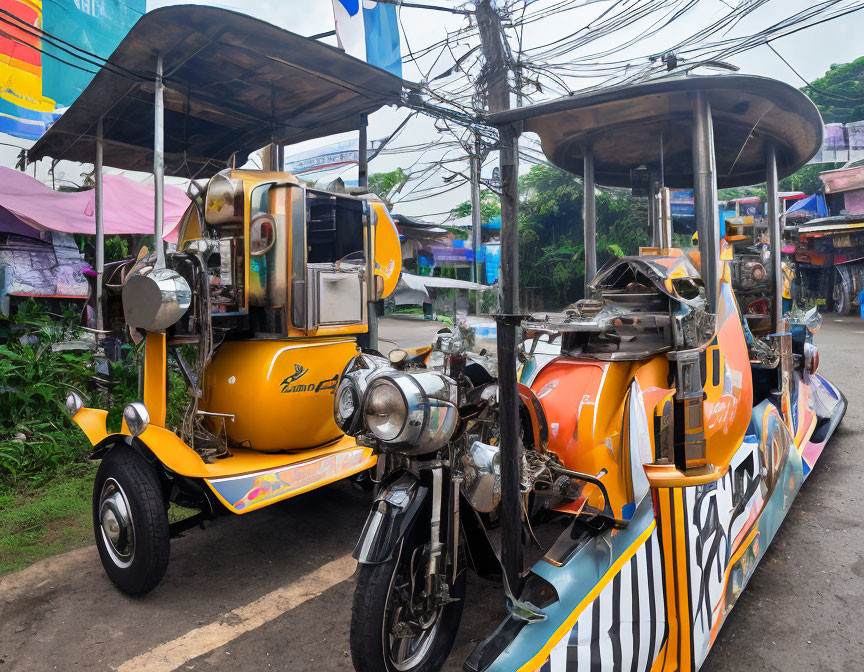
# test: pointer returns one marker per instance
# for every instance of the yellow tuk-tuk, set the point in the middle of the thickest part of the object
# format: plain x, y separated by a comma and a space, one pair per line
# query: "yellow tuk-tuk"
270, 288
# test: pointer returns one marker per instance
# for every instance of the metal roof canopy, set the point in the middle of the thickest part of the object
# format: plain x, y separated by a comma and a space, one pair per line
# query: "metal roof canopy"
624, 125
232, 84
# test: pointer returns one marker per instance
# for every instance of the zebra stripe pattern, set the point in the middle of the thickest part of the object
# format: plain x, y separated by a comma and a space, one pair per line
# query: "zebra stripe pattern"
624, 627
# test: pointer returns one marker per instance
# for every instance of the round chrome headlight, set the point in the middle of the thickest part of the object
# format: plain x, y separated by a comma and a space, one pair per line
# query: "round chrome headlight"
345, 406
74, 403
348, 401
137, 418
412, 413
386, 410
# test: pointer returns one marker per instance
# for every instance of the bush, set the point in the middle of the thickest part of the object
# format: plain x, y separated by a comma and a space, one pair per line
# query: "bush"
36, 436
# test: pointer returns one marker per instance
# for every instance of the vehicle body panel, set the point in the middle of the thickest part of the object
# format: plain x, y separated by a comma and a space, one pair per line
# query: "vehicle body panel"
279, 392
684, 566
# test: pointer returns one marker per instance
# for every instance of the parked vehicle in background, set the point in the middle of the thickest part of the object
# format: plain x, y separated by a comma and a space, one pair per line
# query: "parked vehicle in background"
829, 260
829, 248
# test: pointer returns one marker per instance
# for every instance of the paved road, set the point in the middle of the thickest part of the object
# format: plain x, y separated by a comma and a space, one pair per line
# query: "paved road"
272, 590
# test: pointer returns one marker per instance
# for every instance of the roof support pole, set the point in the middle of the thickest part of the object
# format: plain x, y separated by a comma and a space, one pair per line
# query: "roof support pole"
775, 241
100, 229
363, 183
508, 324
653, 220
656, 220
665, 214
589, 217
159, 163
705, 196
363, 153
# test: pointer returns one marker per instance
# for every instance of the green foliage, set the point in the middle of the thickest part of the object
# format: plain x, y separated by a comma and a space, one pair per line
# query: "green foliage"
807, 179
36, 436
387, 185
116, 247
740, 192
839, 93
551, 238
490, 207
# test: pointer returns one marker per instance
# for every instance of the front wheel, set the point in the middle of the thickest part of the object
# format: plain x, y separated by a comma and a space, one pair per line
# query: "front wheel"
130, 522
391, 629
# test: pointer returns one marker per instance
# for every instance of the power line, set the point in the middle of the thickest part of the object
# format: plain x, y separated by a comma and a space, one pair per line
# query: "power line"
809, 86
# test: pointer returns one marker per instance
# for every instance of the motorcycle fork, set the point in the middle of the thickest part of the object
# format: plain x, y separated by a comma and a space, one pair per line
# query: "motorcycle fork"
455, 490
435, 545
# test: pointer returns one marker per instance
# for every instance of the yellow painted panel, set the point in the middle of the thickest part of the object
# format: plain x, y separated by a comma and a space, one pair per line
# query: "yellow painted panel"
93, 421
156, 377
388, 249
179, 457
280, 392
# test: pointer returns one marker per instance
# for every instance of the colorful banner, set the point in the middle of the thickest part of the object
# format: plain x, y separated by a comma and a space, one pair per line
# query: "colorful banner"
38, 79
369, 31
25, 111
96, 26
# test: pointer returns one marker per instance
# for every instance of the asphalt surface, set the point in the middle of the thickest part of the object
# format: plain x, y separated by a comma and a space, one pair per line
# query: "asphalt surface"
271, 590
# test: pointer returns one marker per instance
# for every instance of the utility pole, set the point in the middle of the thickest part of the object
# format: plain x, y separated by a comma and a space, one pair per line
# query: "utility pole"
494, 78
476, 222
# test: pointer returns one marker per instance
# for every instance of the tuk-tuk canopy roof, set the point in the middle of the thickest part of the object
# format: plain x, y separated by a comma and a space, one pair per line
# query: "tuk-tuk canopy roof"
625, 126
232, 84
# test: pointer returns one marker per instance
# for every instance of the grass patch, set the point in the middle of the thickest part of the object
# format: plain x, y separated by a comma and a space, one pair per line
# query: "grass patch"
36, 522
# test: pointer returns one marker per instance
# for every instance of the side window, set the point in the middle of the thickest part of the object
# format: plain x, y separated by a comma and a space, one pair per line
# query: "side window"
268, 257
262, 236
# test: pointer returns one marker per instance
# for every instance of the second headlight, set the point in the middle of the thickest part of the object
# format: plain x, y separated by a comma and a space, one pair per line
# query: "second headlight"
349, 394
413, 413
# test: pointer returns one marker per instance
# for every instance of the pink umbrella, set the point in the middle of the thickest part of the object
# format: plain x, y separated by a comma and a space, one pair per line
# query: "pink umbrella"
127, 205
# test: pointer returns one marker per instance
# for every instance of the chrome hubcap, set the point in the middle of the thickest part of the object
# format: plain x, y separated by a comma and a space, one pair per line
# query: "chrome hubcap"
407, 649
115, 519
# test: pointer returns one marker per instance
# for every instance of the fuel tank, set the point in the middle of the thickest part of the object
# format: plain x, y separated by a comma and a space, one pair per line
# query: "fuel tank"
280, 392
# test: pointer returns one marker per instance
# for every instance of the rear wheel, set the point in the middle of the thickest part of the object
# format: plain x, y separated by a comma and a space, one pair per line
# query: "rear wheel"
840, 296
130, 521
391, 630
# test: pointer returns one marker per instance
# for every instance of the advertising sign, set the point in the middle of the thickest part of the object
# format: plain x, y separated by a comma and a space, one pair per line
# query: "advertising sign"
49, 52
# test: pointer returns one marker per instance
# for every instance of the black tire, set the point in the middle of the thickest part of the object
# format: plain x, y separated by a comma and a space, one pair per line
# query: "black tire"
369, 616
125, 473
841, 299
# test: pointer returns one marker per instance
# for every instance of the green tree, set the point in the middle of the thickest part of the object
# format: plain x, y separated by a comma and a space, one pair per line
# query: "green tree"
839, 93
551, 233
490, 207
387, 185
807, 179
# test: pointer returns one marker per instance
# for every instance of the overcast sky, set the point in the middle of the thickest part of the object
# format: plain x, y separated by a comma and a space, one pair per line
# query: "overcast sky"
810, 52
